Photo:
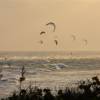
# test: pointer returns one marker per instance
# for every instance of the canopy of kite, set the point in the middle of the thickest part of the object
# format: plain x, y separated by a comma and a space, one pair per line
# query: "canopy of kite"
56, 42
43, 32
85, 41
41, 42
73, 37
52, 25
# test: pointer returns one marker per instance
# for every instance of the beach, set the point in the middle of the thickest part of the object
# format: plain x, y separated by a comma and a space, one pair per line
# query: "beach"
46, 72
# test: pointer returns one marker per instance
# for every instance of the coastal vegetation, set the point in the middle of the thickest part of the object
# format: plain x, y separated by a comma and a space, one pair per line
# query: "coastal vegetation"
85, 90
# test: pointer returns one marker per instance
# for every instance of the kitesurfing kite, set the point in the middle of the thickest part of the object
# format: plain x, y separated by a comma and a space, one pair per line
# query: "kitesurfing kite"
73, 37
56, 42
41, 42
85, 41
43, 32
52, 25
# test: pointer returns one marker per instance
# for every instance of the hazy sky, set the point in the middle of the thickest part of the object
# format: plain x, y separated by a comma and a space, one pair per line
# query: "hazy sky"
21, 21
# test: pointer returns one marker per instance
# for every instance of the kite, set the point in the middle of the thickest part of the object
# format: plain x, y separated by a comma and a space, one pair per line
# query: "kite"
43, 32
56, 42
85, 41
52, 25
73, 37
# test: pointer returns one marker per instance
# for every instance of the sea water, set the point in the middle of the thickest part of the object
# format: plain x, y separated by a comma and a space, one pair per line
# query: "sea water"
46, 69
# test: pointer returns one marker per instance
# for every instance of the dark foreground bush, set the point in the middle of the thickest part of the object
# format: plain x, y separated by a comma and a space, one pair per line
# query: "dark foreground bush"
86, 90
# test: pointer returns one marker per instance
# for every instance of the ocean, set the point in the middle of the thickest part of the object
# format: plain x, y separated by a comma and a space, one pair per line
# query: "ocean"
46, 69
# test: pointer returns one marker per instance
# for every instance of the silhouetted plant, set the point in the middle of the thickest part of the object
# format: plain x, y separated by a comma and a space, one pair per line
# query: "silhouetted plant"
22, 78
86, 90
